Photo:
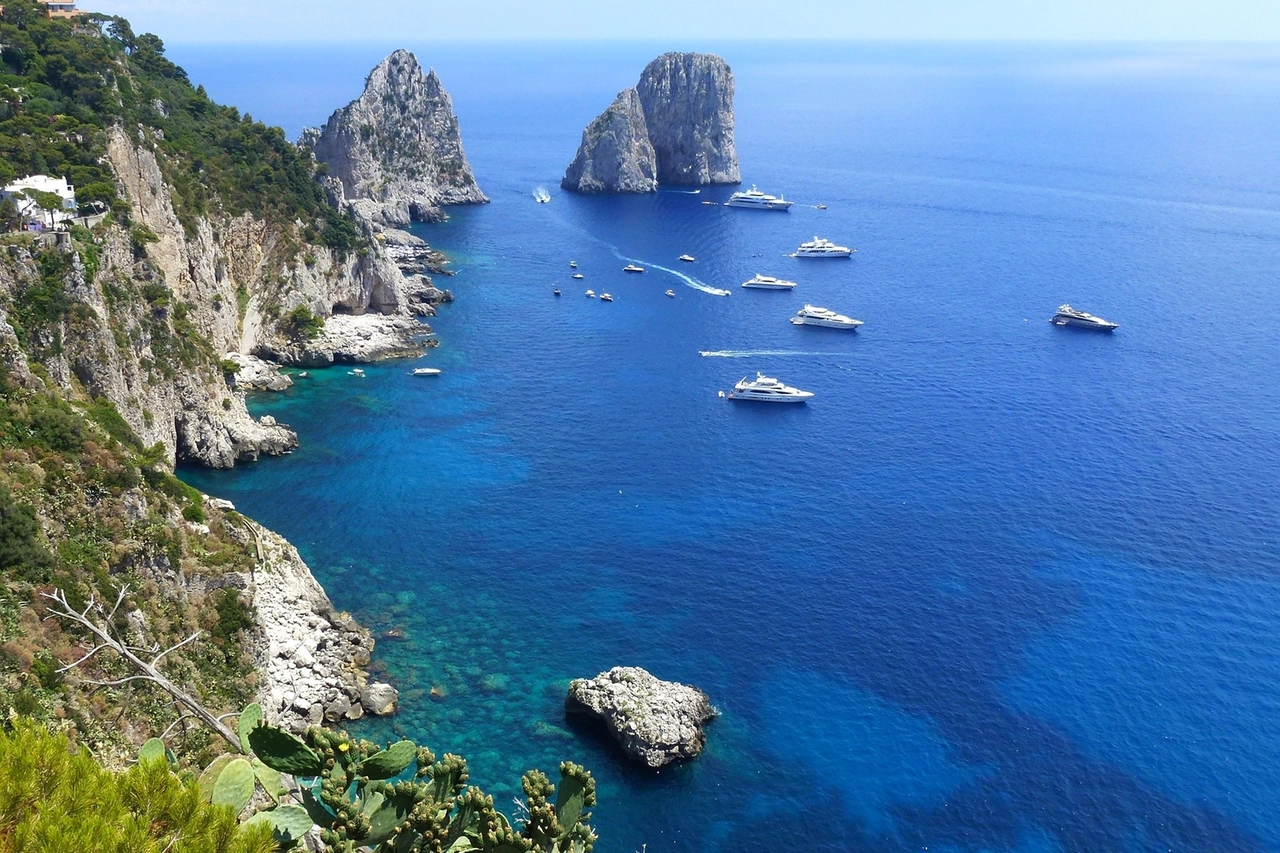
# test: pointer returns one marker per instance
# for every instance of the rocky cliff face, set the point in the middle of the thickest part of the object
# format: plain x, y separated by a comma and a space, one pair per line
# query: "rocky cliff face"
616, 154
397, 149
674, 127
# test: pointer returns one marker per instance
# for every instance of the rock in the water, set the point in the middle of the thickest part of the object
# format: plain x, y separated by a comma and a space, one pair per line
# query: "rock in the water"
397, 149
615, 155
675, 127
380, 699
688, 106
654, 721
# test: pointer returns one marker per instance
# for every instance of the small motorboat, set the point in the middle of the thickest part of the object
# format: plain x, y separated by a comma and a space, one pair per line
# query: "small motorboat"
355, 372
688, 259
556, 291
632, 268
578, 275
303, 375
591, 294
573, 264
426, 371
671, 293
708, 202
604, 297
820, 206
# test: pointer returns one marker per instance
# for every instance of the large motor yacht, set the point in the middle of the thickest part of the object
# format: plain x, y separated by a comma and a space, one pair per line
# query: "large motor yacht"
756, 200
768, 282
1068, 316
811, 315
821, 248
766, 389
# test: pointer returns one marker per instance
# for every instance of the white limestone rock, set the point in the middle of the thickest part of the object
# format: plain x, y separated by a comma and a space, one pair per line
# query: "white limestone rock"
654, 721
616, 155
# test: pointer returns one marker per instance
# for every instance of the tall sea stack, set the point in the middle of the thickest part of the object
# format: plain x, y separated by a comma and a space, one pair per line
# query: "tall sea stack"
680, 115
397, 148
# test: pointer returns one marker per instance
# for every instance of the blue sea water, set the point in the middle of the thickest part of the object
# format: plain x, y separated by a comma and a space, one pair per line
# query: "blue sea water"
1000, 587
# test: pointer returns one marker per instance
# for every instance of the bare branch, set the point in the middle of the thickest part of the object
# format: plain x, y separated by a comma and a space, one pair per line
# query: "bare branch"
106, 639
88, 655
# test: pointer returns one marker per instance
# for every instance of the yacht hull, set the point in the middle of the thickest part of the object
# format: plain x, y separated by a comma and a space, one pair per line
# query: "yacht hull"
770, 398
826, 324
787, 286
1085, 324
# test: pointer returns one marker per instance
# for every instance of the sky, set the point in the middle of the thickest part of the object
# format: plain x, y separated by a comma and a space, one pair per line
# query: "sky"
381, 20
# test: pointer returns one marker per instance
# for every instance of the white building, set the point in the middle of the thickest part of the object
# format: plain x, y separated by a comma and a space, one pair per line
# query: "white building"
27, 207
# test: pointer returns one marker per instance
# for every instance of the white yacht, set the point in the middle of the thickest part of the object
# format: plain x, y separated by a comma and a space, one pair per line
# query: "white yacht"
768, 282
755, 200
821, 248
632, 268
604, 297
671, 293
1068, 316
579, 276
573, 264
688, 259
591, 294
426, 371
766, 389
811, 315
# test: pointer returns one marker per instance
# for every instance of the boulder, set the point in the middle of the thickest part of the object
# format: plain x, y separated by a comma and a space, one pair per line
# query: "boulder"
654, 721
380, 699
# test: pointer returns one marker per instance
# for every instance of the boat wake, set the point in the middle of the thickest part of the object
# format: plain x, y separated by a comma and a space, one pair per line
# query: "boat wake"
541, 196
753, 353
681, 192
687, 279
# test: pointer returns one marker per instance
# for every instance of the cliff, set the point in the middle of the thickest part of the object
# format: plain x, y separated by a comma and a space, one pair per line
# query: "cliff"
674, 127
616, 154
397, 149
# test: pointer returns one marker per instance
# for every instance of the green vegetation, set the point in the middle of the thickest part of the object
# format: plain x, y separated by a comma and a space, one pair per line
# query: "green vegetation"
301, 324
63, 84
57, 797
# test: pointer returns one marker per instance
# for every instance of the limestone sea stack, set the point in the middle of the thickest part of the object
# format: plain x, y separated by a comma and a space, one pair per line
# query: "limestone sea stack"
684, 123
654, 721
397, 148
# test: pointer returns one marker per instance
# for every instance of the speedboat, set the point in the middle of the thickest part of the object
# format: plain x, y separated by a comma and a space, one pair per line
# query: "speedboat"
821, 248
632, 268
573, 264
768, 282
604, 297
356, 371
766, 389
811, 315
1068, 316
688, 259
755, 200
541, 196
578, 275
671, 293
820, 206
556, 291
426, 371
591, 294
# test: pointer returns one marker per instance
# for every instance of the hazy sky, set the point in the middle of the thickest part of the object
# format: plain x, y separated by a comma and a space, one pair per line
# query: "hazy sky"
309, 20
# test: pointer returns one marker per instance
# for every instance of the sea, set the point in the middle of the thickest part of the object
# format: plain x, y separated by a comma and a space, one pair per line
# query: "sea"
1000, 586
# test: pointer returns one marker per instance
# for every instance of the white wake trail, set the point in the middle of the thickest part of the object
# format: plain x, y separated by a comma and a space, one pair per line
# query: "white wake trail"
753, 353
687, 279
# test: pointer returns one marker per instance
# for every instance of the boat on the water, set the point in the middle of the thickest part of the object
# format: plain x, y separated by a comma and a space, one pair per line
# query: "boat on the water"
671, 293
766, 389
632, 268
578, 275
541, 196
355, 371
556, 291
604, 297
426, 371
819, 247
768, 282
754, 199
573, 264
688, 259
1068, 316
591, 294
811, 315
820, 206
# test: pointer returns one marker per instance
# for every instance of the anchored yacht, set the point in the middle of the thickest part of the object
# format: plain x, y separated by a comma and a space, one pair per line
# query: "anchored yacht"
811, 315
1068, 316
688, 259
578, 275
604, 297
821, 248
766, 389
426, 371
753, 199
591, 294
768, 282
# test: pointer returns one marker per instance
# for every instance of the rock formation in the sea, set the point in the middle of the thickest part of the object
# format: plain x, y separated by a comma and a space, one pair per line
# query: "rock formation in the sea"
654, 721
397, 149
674, 127
616, 155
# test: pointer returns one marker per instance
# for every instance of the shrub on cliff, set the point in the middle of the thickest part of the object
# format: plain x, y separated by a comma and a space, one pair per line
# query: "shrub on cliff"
57, 797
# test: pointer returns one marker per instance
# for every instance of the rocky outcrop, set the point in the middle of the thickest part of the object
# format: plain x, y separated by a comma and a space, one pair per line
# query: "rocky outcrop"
674, 127
397, 149
311, 657
254, 374
654, 721
616, 155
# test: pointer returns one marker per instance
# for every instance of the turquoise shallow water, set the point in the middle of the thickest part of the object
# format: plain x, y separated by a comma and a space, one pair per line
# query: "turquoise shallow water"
999, 587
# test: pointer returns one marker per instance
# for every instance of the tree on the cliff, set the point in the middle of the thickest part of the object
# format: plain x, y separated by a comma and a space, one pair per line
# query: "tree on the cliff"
10, 219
